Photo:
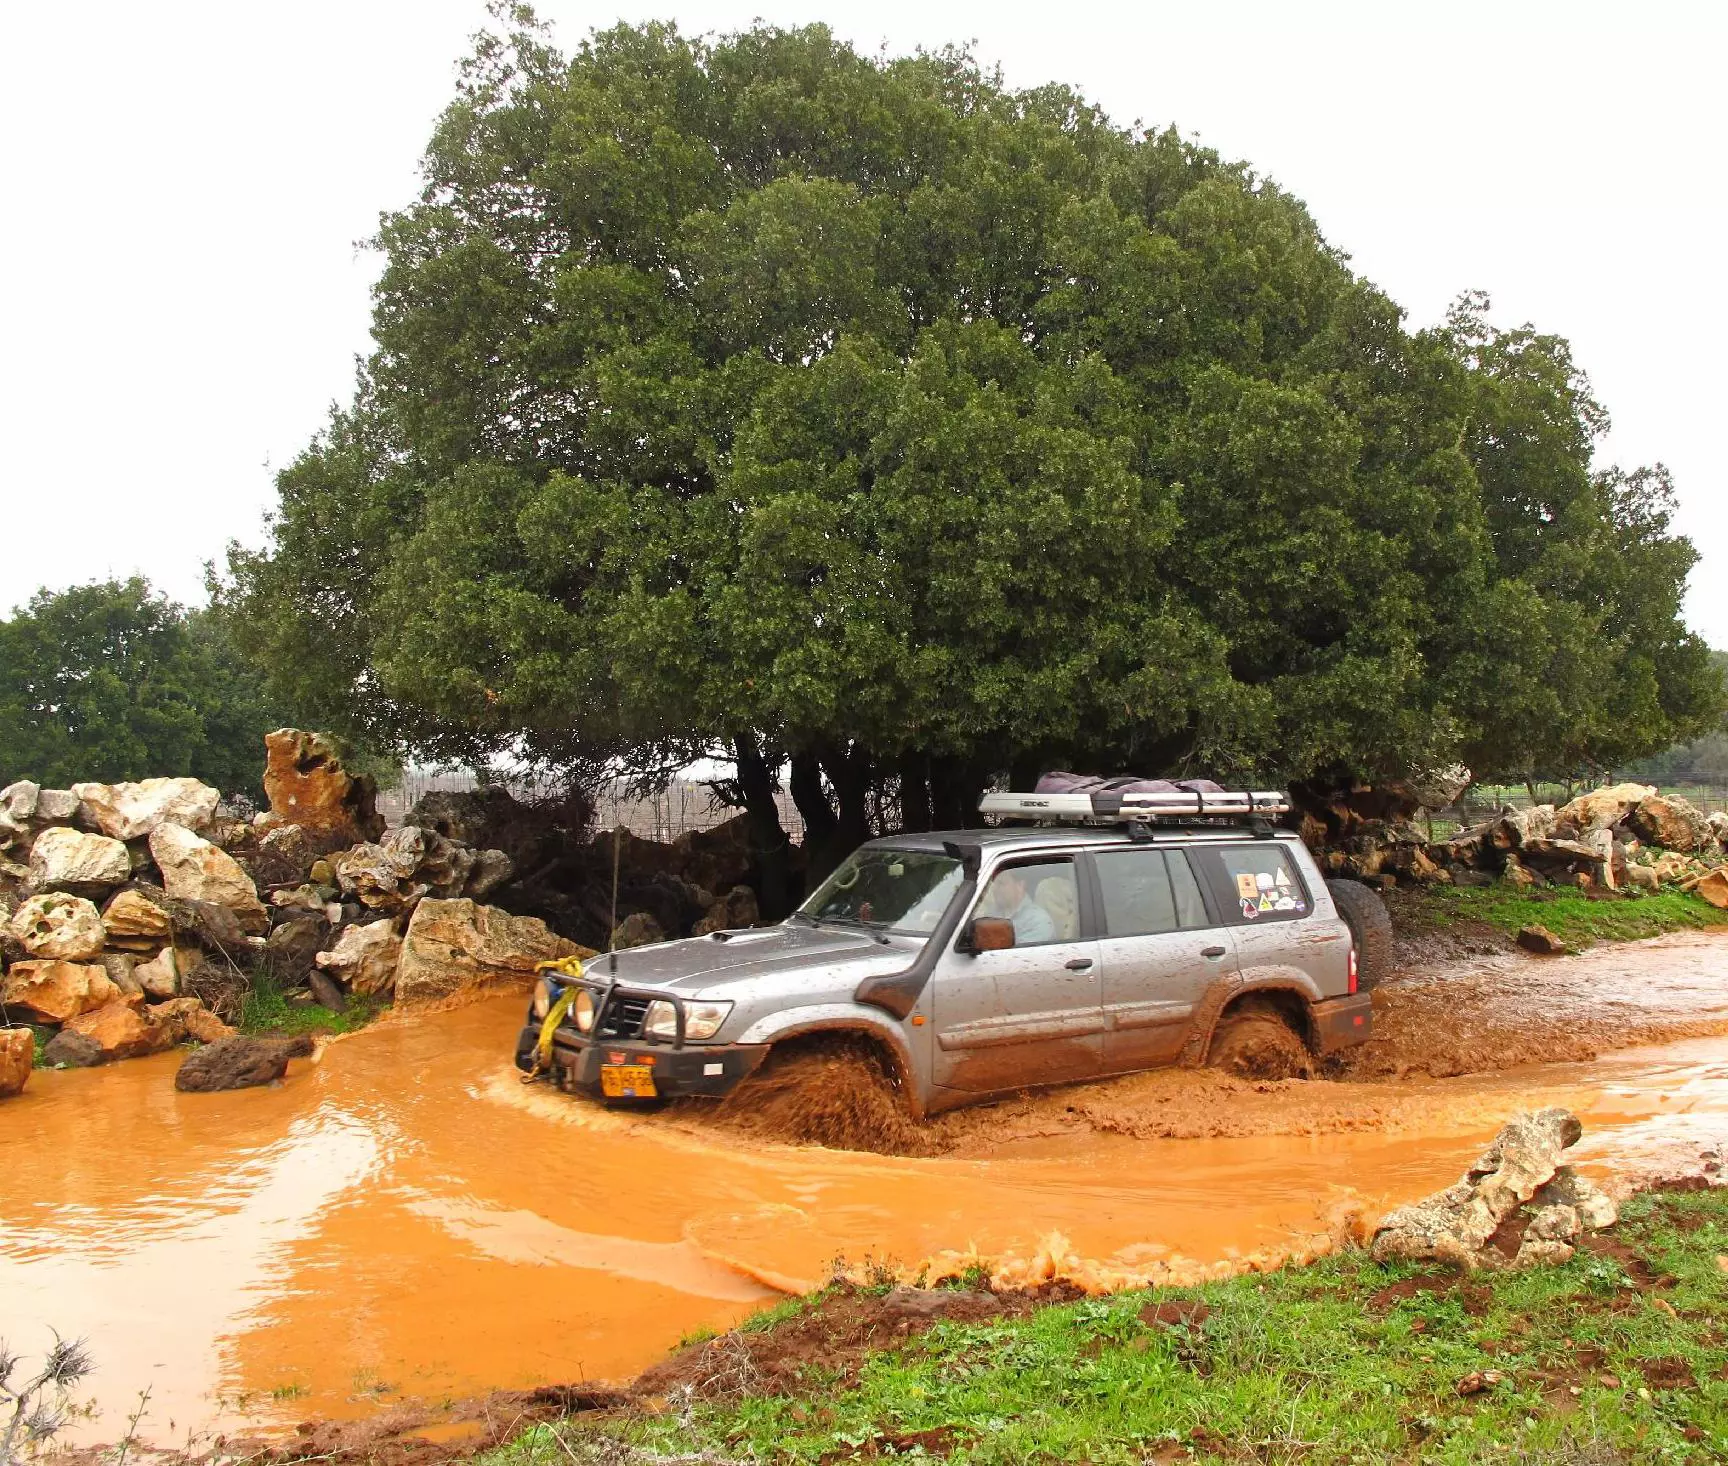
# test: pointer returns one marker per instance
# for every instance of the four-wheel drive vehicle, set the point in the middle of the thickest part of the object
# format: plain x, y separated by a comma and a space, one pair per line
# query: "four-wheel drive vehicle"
1135, 932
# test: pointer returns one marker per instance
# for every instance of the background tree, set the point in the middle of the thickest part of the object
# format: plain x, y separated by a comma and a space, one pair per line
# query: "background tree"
110, 681
869, 417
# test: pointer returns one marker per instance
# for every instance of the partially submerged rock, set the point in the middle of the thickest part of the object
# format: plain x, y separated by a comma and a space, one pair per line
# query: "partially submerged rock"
1475, 1222
71, 1051
59, 926
459, 944
63, 857
123, 1029
17, 1054
238, 1062
196, 870
130, 811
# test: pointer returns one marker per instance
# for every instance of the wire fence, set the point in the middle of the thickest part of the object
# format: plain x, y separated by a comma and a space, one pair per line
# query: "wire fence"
684, 805
1485, 800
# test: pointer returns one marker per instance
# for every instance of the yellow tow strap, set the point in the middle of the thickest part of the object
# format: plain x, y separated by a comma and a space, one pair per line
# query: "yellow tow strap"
569, 967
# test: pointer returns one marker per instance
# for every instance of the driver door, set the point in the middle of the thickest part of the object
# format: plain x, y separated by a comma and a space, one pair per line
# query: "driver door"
1028, 1014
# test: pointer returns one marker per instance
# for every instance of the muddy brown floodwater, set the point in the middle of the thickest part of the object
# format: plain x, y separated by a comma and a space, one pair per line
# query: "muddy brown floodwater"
402, 1219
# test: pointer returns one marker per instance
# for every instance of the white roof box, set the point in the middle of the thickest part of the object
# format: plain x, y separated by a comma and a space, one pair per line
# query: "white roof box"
1111, 807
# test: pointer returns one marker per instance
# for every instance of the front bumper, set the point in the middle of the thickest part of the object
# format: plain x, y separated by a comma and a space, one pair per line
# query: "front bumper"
1340, 1023
710, 1070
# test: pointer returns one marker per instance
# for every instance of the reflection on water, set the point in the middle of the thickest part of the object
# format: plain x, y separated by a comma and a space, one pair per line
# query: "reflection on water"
403, 1218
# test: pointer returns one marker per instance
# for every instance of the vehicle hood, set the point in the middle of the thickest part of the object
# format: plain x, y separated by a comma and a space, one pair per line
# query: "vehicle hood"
703, 965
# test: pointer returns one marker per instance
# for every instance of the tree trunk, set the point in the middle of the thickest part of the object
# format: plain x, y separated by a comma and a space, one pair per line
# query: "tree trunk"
848, 773
955, 788
770, 850
915, 771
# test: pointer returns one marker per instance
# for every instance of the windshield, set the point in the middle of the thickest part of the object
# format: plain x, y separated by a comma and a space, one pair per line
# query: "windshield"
892, 890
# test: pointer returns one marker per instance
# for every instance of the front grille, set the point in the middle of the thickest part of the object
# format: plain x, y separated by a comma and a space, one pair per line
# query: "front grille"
623, 1018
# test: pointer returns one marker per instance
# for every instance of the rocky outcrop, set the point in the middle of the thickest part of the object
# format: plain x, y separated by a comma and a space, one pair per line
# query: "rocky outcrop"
63, 858
124, 1028
1517, 1206
240, 1063
364, 958
452, 946
308, 785
131, 811
195, 870
59, 926
54, 992
17, 1054
135, 922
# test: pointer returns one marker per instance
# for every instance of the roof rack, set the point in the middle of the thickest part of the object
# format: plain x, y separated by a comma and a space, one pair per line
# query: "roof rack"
1105, 806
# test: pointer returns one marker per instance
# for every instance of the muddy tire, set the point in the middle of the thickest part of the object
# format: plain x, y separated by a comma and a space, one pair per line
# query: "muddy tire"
1256, 1042
832, 1089
1371, 926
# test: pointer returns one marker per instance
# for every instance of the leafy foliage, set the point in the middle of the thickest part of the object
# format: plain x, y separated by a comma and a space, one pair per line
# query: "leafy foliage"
109, 681
758, 395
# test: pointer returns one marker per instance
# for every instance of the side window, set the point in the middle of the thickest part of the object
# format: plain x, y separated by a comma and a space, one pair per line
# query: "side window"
1041, 899
1262, 883
1148, 891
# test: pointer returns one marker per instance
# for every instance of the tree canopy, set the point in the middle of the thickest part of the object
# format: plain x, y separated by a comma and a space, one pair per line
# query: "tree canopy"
109, 682
761, 396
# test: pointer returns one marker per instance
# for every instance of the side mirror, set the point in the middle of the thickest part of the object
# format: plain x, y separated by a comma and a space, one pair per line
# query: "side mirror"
987, 934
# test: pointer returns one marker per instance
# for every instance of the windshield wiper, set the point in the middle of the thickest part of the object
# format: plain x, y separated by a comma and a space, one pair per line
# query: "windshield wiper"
851, 923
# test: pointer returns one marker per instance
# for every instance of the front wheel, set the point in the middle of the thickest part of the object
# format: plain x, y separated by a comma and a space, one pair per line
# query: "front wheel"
837, 1090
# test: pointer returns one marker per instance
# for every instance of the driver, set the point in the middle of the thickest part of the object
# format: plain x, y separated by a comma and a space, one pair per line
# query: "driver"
1013, 902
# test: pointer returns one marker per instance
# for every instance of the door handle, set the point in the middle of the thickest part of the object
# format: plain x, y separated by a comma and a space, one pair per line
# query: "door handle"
1078, 964
1213, 951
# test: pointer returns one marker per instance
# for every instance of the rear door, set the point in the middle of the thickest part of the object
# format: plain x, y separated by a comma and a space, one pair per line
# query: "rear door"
1030, 1013
1161, 948
1265, 889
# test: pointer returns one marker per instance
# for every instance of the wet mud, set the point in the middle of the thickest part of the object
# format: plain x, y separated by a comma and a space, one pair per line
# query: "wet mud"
400, 1225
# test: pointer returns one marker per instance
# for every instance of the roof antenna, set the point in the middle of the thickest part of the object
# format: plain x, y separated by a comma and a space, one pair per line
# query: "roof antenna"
612, 936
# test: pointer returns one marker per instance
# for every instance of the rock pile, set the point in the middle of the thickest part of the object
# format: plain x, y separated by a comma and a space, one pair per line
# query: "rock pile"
1518, 1206
132, 916
1622, 836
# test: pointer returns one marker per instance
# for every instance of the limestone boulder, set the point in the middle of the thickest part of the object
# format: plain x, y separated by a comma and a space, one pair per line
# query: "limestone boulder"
286, 854
193, 869
638, 929
123, 1029
364, 958
491, 869
62, 857
736, 909
1714, 888
68, 928
1602, 809
17, 1055
308, 785
190, 1021
18, 801
1671, 822
132, 810
160, 976
55, 992
133, 921
456, 945
239, 1062
119, 967
1519, 1178
408, 863
1440, 788
55, 806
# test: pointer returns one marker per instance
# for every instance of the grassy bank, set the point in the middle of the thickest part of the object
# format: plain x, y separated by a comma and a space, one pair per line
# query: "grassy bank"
1577, 918
1621, 1355
268, 1009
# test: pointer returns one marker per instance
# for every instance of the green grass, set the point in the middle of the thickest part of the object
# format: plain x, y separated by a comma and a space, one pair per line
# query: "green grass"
1585, 1363
1577, 919
266, 1009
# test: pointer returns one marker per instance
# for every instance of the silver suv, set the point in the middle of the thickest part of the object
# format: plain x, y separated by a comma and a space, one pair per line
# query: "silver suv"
982, 961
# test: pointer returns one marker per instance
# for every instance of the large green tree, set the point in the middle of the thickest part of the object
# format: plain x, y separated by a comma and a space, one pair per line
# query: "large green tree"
762, 397
110, 681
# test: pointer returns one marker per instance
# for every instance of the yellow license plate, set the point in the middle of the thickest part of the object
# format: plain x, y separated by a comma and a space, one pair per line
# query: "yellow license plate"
627, 1081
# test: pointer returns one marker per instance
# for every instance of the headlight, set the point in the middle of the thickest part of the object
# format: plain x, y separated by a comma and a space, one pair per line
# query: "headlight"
582, 1010
542, 998
701, 1020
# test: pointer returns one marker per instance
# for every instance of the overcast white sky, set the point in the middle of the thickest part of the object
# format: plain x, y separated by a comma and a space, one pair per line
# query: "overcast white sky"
185, 184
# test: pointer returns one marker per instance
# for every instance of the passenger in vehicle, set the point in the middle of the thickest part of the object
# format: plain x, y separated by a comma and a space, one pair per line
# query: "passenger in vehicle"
1009, 899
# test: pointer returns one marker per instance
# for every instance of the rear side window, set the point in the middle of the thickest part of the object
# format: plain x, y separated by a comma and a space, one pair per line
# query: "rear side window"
1148, 891
1260, 882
